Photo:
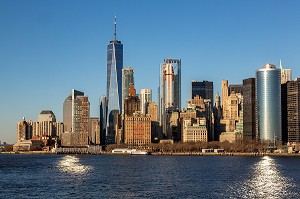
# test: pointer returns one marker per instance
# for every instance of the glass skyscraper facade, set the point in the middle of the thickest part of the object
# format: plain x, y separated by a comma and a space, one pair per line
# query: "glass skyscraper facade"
113, 85
127, 79
268, 96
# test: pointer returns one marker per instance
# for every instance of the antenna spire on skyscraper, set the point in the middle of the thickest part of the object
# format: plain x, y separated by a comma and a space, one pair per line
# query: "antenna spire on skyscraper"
115, 32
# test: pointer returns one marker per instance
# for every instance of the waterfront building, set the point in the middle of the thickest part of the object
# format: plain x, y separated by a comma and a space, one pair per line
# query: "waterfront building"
127, 80
46, 121
137, 130
205, 89
113, 85
293, 110
145, 97
268, 96
249, 109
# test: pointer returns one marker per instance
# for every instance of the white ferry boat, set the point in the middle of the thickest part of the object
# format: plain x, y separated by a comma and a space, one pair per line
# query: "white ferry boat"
138, 152
130, 151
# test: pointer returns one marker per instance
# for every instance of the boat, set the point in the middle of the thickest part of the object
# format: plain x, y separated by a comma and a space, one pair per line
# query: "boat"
138, 152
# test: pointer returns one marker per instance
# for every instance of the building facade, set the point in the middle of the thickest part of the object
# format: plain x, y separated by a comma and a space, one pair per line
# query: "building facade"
293, 110
205, 89
76, 114
194, 131
137, 130
145, 97
268, 96
127, 80
249, 110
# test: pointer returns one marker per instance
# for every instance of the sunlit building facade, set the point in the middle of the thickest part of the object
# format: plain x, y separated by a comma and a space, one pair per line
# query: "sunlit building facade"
145, 97
268, 96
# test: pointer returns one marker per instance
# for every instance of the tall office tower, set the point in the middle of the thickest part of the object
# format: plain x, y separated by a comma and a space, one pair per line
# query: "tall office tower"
293, 110
76, 114
94, 129
114, 85
46, 122
268, 97
84, 120
70, 115
127, 79
169, 90
103, 119
23, 131
286, 74
249, 107
145, 97
224, 97
204, 89
132, 103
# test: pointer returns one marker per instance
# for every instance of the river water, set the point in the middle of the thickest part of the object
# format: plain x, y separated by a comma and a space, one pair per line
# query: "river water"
125, 176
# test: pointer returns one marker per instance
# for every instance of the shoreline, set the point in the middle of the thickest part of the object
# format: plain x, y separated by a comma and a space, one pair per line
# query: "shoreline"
160, 154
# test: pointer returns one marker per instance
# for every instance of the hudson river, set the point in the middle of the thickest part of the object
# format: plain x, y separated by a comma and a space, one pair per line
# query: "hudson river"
125, 176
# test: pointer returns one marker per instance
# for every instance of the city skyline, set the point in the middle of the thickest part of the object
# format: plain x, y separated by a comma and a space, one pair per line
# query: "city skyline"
43, 51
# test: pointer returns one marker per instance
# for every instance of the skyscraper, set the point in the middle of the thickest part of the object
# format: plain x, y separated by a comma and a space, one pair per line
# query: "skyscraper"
169, 89
114, 84
293, 110
76, 115
224, 97
103, 120
70, 115
145, 97
249, 107
205, 89
127, 79
268, 96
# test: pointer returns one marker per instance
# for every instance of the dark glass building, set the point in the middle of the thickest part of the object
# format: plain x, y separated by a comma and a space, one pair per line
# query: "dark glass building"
103, 120
249, 107
204, 89
293, 110
114, 84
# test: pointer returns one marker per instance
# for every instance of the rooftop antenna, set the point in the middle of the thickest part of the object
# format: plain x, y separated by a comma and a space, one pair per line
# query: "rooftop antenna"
115, 23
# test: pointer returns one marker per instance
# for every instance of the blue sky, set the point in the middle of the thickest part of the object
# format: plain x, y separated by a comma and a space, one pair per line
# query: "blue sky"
49, 47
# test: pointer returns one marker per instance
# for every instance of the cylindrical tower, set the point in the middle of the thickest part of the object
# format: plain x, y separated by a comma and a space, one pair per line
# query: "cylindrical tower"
268, 97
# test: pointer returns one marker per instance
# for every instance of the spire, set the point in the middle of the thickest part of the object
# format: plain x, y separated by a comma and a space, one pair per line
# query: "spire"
115, 33
281, 69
